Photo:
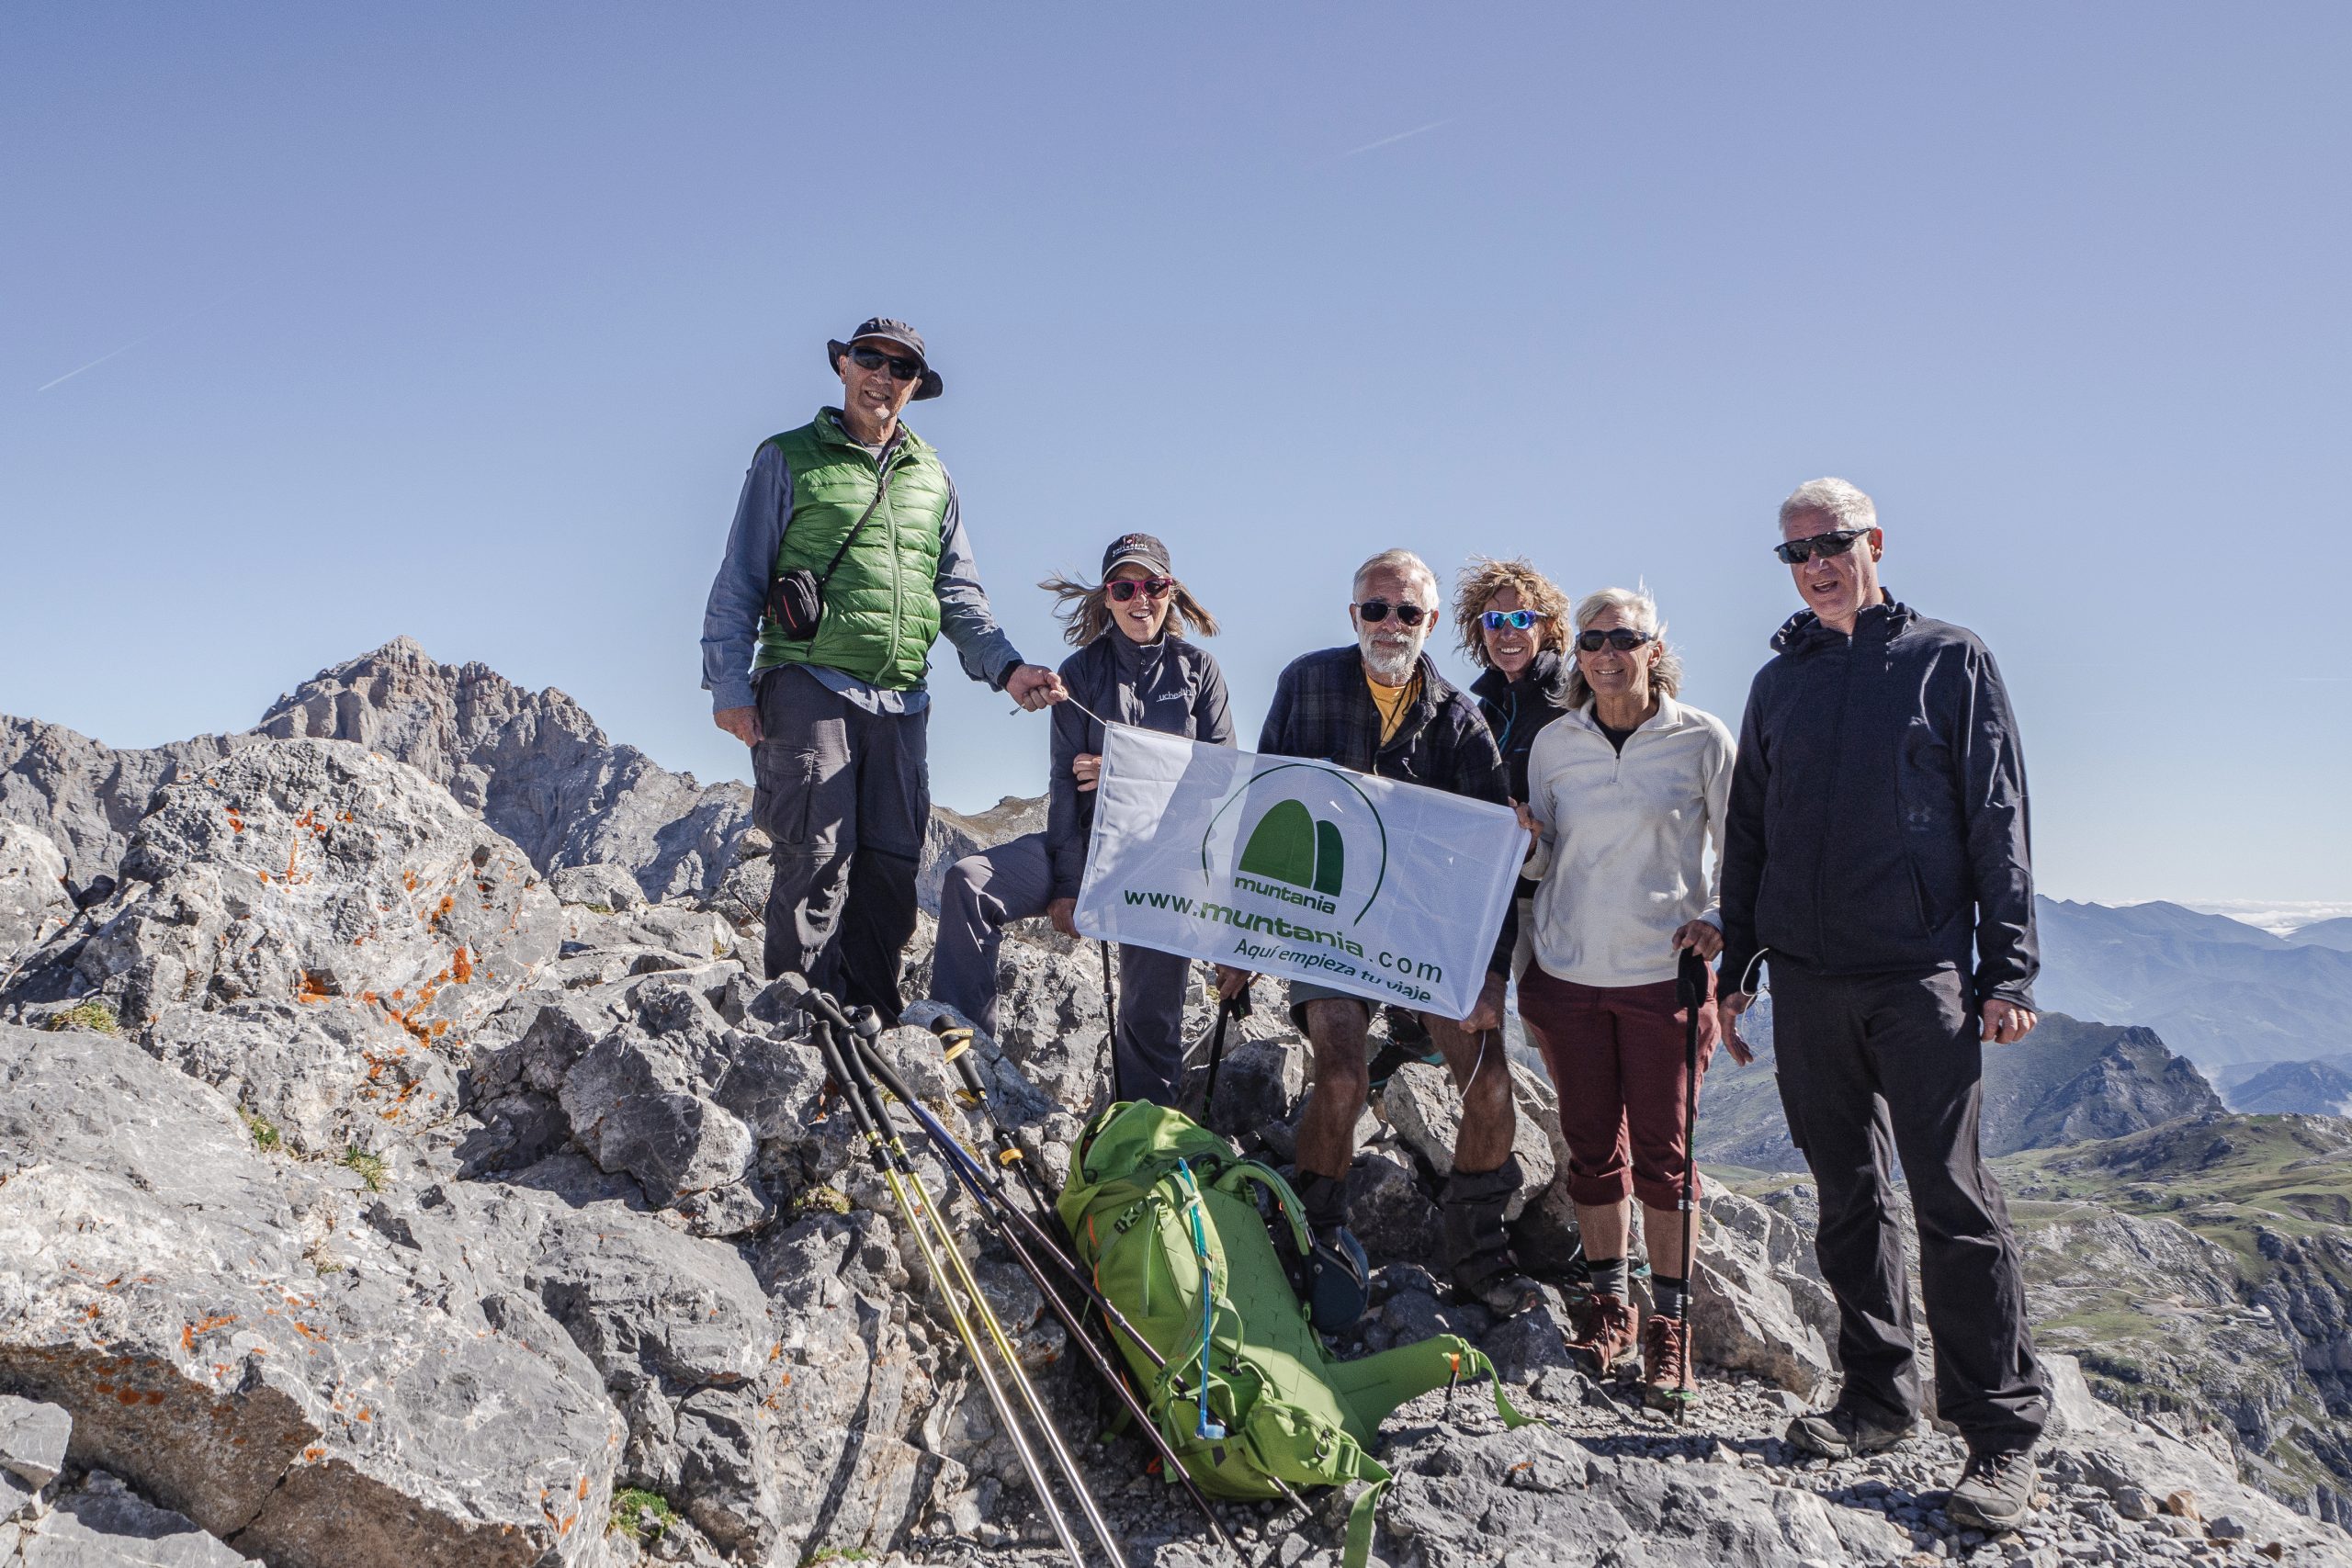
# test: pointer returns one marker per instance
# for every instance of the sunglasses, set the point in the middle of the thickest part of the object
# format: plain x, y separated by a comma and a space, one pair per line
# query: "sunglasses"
902, 368
1375, 611
1123, 589
1797, 552
1517, 620
1624, 640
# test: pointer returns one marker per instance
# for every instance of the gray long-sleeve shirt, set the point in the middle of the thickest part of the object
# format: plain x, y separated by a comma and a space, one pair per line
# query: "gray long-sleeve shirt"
731, 620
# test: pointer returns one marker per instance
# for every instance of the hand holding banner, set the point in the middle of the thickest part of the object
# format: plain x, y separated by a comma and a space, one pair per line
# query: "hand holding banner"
1391, 891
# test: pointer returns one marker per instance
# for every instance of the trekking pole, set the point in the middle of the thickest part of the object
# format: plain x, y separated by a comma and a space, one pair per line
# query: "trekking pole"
862, 1114
955, 1047
1111, 1022
865, 1026
970, 1169
997, 1207
1690, 985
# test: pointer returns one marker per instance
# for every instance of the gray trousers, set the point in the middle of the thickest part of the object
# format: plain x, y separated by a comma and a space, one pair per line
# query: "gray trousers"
845, 794
1012, 882
1876, 1066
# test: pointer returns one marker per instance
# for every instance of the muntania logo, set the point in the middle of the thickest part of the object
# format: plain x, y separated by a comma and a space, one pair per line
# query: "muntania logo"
1296, 857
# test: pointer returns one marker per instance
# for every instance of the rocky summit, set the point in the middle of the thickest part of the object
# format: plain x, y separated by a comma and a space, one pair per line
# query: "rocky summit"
403, 1161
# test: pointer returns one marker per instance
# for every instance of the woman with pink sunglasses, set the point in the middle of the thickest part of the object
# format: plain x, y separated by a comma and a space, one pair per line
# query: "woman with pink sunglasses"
1132, 667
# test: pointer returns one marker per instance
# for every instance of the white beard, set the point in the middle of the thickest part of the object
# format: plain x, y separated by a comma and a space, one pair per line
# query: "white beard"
1394, 667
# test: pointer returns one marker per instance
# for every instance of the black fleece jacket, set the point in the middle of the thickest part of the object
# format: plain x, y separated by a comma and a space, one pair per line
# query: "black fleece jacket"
1171, 685
1877, 814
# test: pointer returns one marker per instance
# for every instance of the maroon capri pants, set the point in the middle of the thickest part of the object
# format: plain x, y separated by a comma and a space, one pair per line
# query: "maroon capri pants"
1616, 1055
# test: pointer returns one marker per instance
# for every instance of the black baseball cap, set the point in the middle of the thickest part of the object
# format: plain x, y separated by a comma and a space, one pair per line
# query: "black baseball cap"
1141, 548
905, 336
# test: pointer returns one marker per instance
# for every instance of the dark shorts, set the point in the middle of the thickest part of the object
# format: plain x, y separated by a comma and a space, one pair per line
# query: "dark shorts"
1304, 991
1616, 1056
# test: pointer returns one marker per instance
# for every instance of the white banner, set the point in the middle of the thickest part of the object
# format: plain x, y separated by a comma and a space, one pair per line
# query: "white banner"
1301, 870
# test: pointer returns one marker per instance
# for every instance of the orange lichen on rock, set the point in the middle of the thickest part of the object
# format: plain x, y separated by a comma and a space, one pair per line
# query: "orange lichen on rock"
461, 967
236, 823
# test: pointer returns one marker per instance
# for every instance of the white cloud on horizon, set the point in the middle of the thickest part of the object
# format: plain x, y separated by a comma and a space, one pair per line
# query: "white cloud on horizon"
2274, 915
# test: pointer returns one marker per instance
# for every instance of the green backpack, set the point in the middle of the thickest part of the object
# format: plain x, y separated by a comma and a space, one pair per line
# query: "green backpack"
1248, 1400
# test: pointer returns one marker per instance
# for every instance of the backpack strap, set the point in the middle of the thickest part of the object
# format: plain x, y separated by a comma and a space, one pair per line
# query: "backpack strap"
1374, 1385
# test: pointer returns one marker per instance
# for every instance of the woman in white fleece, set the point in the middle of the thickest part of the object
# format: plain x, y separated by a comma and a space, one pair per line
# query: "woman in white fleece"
1628, 787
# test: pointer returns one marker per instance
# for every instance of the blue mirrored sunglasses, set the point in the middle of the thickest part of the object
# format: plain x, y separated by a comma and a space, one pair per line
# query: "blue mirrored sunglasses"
1517, 620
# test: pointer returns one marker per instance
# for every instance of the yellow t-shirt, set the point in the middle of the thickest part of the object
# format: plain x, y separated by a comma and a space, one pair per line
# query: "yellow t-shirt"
1392, 702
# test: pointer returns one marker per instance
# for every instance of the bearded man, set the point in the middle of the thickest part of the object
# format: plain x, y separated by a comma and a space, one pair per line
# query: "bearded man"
1378, 705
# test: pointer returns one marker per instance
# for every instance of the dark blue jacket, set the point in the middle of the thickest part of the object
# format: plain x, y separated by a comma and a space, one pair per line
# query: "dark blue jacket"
1517, 711
1171, 685
1323, 709
1878, 809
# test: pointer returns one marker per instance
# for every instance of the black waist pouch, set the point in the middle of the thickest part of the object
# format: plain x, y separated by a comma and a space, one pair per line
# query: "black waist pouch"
796, 598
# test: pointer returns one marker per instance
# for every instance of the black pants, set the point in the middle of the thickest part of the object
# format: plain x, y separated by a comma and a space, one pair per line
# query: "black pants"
845, 794
1875, 1067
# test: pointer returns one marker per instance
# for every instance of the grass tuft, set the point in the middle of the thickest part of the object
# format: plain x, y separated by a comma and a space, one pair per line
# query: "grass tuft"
267, 1138
86, 1015
370, 1168
640, 1514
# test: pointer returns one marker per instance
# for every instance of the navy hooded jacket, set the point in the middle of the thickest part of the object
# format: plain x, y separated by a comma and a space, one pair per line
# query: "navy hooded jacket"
1878, 821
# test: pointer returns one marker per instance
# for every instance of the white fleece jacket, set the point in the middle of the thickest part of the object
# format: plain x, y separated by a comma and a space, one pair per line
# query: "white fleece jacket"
1621, 863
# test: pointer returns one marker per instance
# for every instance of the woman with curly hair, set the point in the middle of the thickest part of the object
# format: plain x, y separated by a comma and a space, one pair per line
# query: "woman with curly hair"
1512, 621
1131, 666
1513, 624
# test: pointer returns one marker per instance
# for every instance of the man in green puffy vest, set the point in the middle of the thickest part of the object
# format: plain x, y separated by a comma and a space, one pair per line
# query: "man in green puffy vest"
859, 504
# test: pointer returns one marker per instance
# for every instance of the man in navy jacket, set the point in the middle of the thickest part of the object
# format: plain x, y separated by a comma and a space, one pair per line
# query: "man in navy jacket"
1875, 858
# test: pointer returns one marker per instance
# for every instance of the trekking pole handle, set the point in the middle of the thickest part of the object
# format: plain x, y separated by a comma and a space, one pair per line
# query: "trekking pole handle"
828, 1051
956, 1044
1690, 979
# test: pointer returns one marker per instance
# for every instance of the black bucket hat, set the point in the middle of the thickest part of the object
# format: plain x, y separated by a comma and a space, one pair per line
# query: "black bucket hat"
905, 336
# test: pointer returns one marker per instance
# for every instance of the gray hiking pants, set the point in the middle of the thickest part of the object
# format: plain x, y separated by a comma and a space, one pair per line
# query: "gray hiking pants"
1873, 1067
982, 893
845, 794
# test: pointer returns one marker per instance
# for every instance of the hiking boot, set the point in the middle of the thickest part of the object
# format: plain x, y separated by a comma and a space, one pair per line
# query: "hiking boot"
1609, 1337
1839, 1433
1668, 1380
1996, 1491
1478, 1247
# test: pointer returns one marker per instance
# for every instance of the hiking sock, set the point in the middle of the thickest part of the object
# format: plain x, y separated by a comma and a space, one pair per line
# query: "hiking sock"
1671, 1296
1607, 1276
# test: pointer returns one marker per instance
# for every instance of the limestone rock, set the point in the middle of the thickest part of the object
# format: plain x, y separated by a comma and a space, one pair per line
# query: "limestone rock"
32, 1439
33, 901
315, 929
533, 763
1751, 1309
610, 886
228, 1335
109, 1527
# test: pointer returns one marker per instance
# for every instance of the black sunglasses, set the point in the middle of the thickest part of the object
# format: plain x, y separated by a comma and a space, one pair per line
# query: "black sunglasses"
1624, 640
873, 359
1121, 588
1797, 552
1376, 610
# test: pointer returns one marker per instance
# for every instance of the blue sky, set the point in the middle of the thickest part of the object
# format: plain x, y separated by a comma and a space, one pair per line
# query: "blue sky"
462, 322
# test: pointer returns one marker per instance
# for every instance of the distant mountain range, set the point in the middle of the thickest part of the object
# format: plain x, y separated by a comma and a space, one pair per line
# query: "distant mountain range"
2221, 993
2336, 934
2067, 1082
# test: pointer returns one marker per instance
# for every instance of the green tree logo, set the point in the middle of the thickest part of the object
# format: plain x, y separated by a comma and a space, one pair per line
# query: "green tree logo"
1289, 845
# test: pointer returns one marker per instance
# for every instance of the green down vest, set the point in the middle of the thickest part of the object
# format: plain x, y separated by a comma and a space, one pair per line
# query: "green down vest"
881, 609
